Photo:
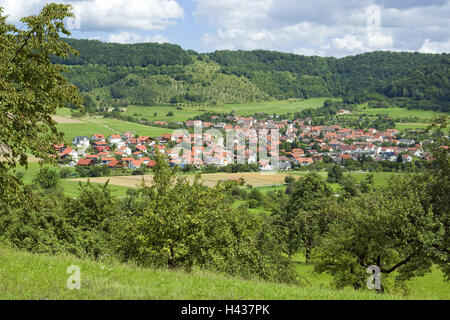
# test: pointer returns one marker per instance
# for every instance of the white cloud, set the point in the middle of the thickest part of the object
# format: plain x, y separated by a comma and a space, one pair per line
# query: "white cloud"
435, 47
130, 37
371, 41
348, 43
107, 14
324, 27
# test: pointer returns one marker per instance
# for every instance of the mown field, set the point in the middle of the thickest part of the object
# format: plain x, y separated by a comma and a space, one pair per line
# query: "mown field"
107, 127
187, 112
411, 126
399, 112
255, 179
37, 277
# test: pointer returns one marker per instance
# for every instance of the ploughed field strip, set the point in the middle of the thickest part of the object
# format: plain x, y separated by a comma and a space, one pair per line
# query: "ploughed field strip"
66, 120
255, 179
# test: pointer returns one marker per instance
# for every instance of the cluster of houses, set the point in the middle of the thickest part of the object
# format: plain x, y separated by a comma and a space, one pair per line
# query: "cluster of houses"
131, 151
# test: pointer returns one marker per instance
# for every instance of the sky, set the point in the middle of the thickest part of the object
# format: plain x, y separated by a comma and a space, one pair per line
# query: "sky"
309, 27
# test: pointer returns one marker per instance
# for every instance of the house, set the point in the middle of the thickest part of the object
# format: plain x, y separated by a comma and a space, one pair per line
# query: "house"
102, 148
144, 140
85, 162
407, 142
297, 153
406, 158
98, 137
115, 139
284, 163
68, 153
264, 165
59, 147
81, 142
107, 160
304, 161
151, 164
160, 148
135, 164
141, 148
128, 135
125, 150
115, 164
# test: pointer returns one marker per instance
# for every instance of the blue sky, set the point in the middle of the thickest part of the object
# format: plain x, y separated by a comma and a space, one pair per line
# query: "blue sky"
319, 27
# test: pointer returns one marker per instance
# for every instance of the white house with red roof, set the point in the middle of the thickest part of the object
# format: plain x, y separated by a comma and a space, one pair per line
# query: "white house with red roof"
116, 139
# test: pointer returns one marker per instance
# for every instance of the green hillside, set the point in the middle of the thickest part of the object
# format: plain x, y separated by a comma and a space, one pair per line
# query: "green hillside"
152, 73
28, 276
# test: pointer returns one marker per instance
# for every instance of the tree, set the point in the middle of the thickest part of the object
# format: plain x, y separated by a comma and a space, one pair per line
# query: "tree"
389, 228
289, 180
65, 173
177, 224
301, 219
437, 193
46, 179
349, 186
335, 174
31, 89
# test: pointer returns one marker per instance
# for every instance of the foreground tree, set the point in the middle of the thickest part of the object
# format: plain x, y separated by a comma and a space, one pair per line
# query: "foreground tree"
390, 228
302, 220
176, 224
31, 89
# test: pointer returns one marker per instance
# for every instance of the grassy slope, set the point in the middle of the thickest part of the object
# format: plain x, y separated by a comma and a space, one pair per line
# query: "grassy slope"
27, 276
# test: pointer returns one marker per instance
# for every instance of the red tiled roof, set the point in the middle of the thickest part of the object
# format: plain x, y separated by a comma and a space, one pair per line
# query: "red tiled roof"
85, 162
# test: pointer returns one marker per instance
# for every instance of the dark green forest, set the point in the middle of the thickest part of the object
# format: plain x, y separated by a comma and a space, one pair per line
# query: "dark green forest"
149, 73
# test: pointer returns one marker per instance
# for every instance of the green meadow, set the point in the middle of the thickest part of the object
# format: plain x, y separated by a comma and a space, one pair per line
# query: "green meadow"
107, 127
187, 112
71, 187
37, 277
411, 126
423, 116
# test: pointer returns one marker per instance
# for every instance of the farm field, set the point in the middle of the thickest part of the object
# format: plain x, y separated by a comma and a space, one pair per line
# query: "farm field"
408, 126
264, 182
210, 179
72, 188
269, 107
278, 107
255, 179
422, 115
66, 120
107, 127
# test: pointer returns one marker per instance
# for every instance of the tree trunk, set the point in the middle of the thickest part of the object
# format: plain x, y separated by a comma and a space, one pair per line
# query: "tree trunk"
308, 254
171, 260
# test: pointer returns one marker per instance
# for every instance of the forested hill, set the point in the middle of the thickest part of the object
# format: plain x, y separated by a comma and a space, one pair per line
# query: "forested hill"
164, 73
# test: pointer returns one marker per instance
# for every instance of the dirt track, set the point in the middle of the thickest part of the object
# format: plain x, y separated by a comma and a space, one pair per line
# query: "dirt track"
64, 120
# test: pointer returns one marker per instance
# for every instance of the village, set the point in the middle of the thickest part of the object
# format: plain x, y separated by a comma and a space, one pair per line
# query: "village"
127, 150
